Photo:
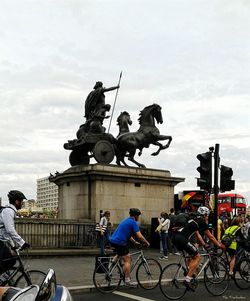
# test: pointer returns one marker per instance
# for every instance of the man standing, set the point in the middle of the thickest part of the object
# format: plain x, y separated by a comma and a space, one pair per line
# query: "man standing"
8, 235
121, 237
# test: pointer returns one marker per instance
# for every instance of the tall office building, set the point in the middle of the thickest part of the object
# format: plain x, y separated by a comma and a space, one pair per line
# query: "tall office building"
47, 194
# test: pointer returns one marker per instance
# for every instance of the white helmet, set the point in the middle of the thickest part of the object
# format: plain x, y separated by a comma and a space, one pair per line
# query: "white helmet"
203, 210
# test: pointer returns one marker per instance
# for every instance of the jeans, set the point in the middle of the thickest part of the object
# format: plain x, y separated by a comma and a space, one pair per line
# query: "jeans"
164, 240
103, 241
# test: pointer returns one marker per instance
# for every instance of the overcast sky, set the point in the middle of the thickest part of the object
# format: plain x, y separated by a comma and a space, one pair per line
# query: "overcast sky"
191, 57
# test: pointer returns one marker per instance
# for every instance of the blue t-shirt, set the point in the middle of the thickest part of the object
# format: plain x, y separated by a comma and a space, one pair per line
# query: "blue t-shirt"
127, 228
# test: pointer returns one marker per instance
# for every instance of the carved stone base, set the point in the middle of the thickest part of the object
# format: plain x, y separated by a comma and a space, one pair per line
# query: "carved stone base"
84, 190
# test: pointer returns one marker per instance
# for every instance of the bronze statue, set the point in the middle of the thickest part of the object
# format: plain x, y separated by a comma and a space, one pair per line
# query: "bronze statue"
147, 134
123, 121
93, 141
95, 108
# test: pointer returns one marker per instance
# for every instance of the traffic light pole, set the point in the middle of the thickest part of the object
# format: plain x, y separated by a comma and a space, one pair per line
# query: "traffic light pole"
216, 188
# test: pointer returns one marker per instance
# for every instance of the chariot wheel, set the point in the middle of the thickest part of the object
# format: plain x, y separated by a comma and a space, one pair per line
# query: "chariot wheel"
78, 156
103, 152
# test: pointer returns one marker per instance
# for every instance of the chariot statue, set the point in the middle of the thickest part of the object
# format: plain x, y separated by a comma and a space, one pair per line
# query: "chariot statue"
93, 142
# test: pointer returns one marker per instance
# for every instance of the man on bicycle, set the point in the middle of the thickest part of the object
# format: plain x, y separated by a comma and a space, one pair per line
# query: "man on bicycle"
8, 235
122, 236
183, 241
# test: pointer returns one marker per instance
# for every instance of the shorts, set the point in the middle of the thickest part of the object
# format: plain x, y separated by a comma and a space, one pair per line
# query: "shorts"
120, 250
183, 244
231, 252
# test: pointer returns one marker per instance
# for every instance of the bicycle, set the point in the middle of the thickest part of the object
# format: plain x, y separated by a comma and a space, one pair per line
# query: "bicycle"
241, 274
18, 275
215, 276
108, 275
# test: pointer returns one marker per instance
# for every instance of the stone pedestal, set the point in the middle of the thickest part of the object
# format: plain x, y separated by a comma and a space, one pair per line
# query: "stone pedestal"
84, 190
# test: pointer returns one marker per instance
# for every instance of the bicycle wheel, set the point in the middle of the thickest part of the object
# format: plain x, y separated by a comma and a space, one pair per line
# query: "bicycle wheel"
107, 280
172, 281
242, 274
30, 277
216, 278
148, 273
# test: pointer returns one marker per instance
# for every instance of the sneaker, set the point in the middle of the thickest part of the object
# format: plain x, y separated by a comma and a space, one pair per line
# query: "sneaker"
163, 258
177, 253
129, 284
170, 253
189, 285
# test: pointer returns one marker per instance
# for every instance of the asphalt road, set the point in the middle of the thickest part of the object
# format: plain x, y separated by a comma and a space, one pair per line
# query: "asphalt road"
139, 294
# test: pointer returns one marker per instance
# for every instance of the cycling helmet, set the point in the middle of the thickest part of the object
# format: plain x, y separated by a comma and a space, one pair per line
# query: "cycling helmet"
16, 195
134, 211
203, 210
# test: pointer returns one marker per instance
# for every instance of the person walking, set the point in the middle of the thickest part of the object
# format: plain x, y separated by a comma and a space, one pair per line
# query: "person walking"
9, 238
171, 247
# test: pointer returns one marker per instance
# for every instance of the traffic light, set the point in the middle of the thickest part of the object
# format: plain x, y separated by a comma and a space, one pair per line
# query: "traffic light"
226, 182
205, 170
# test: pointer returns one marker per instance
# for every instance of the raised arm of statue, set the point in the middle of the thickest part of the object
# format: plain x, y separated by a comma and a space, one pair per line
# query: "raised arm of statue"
111, 88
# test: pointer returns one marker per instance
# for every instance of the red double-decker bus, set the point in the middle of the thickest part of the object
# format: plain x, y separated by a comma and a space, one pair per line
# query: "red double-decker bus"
232, 203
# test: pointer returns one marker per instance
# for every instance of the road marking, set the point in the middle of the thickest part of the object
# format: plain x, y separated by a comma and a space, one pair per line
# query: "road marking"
132, 296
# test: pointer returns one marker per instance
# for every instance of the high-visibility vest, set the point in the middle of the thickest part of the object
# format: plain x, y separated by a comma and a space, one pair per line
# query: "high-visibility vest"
232, 230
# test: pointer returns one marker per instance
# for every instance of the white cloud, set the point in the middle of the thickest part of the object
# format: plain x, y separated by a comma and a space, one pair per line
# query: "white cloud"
191, 57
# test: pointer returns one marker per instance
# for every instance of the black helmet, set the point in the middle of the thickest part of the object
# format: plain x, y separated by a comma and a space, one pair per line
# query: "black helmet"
16, 195
134, 211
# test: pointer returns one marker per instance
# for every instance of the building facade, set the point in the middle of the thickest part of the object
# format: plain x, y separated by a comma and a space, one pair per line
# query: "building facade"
47, 194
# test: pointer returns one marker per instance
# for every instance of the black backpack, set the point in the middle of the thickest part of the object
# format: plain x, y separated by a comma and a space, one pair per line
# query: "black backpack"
180, 221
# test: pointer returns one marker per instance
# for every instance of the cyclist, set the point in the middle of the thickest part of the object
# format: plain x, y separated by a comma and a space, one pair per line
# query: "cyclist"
122, 236
8, 235
235, 231
183, 240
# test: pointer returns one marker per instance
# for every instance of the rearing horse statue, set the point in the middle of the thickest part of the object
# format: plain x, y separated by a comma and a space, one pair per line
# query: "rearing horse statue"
147, 134
123, 121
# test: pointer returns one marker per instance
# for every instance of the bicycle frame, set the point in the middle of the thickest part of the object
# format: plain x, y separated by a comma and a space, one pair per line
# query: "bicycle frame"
184, 258
138, 259
119, 262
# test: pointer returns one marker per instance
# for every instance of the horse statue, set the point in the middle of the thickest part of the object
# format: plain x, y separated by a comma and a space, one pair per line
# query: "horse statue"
123, 121
147, 134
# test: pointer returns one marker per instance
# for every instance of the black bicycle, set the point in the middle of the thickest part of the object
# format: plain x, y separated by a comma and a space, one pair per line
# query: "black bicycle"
18, 275
242, 265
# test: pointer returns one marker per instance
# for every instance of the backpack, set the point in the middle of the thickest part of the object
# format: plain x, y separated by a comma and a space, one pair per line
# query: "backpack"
228, 238
1, 209
180, 221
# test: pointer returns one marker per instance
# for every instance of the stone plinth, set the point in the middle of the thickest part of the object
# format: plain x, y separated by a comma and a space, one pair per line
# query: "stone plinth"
84, 190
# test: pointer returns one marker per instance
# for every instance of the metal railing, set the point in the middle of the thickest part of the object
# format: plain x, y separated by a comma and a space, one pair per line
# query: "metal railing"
54, 233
